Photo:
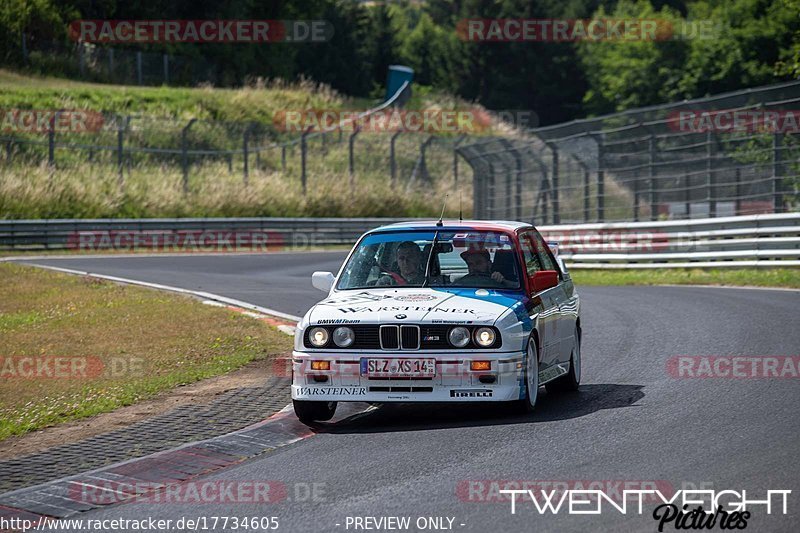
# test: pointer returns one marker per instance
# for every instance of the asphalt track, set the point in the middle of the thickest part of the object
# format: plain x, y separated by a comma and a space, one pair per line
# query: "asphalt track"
630, 420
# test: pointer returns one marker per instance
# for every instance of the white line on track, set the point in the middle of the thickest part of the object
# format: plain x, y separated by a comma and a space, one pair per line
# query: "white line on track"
199, 294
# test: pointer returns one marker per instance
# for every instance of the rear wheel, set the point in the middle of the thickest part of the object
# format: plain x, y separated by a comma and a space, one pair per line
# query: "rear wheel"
572, 379
313, 411
528, 404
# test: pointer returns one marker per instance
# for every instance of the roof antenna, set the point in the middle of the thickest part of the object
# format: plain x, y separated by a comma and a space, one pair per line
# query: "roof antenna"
444, 204
460, 212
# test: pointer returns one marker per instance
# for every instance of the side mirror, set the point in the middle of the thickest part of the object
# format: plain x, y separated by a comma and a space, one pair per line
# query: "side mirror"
322, 281
561, 264
542, 280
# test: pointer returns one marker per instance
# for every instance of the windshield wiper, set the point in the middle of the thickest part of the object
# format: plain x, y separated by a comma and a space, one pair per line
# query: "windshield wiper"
429, 260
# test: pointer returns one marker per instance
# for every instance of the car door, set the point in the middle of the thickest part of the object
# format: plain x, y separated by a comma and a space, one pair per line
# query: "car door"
548, 310
563, 296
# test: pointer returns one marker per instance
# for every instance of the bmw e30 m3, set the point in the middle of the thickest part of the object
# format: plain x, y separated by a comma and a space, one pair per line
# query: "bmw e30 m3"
446, 311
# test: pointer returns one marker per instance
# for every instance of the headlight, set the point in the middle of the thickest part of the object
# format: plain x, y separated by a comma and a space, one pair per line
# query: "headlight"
459, 337
343, 337
484, 337
318, 337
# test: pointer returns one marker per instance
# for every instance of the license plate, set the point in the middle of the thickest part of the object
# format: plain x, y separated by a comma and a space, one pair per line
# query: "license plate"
398, 368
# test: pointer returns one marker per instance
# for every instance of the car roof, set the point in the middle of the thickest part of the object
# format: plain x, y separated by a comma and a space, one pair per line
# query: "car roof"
455, 225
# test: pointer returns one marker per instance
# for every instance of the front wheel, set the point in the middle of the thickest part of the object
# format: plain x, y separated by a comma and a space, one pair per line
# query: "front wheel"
309, 412
528, 404
572, 379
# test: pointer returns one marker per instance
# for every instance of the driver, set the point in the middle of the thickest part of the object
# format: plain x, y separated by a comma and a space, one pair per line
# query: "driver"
480, 271
409, 261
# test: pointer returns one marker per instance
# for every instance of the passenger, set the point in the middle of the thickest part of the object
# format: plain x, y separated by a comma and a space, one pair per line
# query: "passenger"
410, 264
480, 271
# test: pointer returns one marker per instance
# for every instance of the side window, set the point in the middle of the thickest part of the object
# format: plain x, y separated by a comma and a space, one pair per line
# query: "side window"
543, 252
532, 262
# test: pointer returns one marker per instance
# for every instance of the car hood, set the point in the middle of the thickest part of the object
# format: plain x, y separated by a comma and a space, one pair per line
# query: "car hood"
419, 305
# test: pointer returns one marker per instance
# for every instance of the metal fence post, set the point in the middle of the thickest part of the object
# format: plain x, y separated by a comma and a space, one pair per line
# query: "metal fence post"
455, 159
245, 154
423, 161
601, 177
352, 165
777, 173
738, 191
166, 69
111, 64
184, 152
120, 135
651, 174
554, 196
586, 192
687, 194
51, 141
517, 180
283, 158
393, 158
518, 185
490, 192
139, 67
710, 177
9, 147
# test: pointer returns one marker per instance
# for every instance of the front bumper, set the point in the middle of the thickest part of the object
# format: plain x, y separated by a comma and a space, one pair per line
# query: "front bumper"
453, 382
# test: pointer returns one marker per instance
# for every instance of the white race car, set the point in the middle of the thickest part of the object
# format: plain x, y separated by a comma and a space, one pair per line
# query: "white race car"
439, 312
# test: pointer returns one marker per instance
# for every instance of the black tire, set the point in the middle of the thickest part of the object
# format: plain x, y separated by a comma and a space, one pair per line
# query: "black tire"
528, 404
572, 379
309, 412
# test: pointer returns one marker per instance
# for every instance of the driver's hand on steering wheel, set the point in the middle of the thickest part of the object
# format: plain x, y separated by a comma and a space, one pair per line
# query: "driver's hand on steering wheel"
498, 277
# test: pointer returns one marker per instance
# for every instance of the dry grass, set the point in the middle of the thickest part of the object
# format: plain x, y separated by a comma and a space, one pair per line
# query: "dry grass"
92, 190
134, 343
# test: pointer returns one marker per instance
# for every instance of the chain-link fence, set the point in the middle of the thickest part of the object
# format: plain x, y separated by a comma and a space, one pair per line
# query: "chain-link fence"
127, 142
732, 154
119, 65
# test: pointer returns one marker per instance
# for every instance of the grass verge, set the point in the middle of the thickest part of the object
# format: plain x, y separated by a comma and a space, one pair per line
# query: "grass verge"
75, 347
761, 277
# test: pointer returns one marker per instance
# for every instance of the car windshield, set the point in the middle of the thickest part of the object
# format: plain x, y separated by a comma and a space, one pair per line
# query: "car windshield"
474, 259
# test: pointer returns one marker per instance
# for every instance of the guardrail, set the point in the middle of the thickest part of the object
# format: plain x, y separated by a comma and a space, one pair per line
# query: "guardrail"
744, 241
200, 233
